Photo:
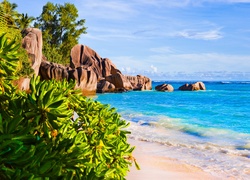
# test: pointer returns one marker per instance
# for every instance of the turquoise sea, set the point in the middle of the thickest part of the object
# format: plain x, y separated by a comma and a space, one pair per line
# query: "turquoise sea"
208, 129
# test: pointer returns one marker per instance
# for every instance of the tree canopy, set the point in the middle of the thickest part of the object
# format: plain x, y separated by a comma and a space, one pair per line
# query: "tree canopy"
9, 12
24, 21
13, 18
61, 30
8, 26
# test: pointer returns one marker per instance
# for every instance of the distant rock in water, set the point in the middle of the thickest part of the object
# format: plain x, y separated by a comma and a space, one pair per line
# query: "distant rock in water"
193, 87
91, 72
164, 87
140, 82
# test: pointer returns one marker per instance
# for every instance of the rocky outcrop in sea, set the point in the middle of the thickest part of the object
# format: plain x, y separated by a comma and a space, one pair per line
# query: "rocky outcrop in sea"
164, 88
197, 86
193, 87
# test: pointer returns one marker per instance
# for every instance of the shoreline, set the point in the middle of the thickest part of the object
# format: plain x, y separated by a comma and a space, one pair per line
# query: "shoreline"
157, 167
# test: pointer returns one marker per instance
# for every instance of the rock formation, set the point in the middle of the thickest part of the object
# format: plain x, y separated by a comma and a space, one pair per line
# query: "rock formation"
49, 70
193, 87
140, 82
164, 87
22, 83
105, 86
33, 44
109, 78
86, 80
120, 81
85, 57
91, 72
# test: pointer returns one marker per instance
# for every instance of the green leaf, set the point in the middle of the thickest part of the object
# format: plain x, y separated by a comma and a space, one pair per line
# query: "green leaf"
46, 167
14, 123
137, 165
1, 123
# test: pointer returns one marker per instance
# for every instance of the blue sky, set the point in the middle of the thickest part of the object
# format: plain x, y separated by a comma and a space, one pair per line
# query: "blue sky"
159, 36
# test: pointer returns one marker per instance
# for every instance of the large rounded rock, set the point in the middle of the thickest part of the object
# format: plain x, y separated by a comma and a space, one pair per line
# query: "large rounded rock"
120, 81
108, 67
105, 86
32, 42
85, 57
49, 70
164, 87
85, 80
23, 83
200, 85
193, 87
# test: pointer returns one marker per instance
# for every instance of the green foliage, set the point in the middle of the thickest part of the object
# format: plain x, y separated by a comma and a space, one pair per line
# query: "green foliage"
13, 59
8, 61
7, 18
40, 138
53, 54
23, 21
9, 56
61, 30
12, 18
9, 12
10, 38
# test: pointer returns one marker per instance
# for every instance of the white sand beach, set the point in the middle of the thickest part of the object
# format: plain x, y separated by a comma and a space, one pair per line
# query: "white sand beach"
155, 167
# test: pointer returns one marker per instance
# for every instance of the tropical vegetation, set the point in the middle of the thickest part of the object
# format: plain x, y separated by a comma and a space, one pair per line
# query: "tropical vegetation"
61, 30
52, 131
12, 17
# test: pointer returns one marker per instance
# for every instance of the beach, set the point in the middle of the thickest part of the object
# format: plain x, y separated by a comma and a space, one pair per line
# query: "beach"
157, 167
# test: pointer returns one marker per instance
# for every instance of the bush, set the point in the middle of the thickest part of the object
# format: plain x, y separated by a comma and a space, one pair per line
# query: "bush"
53, 132
11, 35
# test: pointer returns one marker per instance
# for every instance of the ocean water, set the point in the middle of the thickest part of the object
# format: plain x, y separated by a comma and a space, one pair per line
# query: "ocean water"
208, 129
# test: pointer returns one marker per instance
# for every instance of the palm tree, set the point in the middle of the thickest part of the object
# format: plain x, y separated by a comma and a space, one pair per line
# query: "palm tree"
8, 9
24, 21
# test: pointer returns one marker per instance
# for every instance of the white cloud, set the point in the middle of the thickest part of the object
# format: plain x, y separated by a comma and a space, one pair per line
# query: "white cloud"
153, 68
201, 62
203, 35
162, 66
128, 69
